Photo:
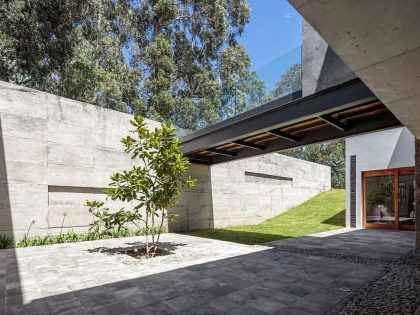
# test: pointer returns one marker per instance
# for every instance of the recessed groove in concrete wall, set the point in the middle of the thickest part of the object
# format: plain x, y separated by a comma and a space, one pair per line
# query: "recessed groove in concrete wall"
252, 177
75, 189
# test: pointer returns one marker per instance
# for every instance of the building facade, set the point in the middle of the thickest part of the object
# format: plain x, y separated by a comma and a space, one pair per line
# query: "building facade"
380, 180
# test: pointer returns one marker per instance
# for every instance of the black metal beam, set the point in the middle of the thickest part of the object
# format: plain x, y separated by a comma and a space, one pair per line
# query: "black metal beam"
379, 122
199, 160
279, 113
249, 144
284, 135
334, 122
221, 152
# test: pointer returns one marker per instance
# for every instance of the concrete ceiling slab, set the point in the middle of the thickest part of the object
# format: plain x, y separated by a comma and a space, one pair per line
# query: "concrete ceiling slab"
380, 41
356, 28
395, 78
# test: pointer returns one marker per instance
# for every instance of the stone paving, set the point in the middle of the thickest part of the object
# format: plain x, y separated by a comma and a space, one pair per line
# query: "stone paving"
309, 275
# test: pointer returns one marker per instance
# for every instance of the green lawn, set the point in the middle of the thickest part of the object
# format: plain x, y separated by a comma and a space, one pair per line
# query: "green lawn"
323, 212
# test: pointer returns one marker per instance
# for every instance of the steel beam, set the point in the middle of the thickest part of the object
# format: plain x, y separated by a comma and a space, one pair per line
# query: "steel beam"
221, 152
279, 113
382, 121
249, 145
334, 122
284, 135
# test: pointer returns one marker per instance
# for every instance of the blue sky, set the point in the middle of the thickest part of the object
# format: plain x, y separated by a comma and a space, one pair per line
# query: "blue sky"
272, 39
275, 29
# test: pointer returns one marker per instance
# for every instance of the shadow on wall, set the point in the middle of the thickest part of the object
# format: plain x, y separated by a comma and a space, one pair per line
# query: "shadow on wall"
333, 71
8, 263
195, 208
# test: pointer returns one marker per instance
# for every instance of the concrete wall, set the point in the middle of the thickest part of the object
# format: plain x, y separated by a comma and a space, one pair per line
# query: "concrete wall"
392, 148
55, 153
249, 191
321, 67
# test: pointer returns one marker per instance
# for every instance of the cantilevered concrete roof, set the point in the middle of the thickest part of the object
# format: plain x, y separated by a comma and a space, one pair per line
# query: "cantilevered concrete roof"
340, 111
380, 41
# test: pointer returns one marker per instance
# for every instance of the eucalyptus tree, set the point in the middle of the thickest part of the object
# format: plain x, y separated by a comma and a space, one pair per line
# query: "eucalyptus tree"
189, 53
163, 59
72, 48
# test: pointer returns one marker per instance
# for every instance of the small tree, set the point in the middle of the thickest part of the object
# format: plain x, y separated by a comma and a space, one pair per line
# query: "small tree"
154, 185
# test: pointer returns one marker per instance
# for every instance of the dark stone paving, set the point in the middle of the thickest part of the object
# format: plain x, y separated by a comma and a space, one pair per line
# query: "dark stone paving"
310, 275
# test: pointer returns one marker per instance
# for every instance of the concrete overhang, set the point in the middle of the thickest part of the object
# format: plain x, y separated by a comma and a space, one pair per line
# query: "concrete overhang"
380, 41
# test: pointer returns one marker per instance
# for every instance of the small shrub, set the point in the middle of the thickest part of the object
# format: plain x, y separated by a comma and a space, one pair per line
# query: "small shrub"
154, 185
71, 237
5, 241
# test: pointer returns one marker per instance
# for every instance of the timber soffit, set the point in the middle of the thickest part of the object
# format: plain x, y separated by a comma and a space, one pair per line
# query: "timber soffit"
291, 121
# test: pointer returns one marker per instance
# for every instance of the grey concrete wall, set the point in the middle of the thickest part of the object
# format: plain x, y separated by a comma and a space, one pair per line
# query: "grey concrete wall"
392, 148
249, 191
55, 154
321, 67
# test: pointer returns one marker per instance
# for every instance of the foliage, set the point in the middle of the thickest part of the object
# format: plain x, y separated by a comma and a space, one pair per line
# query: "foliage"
289, 82
5, 241
323, 212
382, 194
153, 185
162, 59
70, 48
69, 237
330, 153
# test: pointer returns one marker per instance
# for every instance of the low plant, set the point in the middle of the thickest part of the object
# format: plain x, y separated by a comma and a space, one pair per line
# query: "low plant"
154, 184
5, 241
72, 237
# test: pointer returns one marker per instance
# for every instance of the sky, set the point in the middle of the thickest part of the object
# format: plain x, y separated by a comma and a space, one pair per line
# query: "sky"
272, 38
275, 28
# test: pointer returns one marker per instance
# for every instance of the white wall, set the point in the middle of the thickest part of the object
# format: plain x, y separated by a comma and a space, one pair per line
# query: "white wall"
393, 148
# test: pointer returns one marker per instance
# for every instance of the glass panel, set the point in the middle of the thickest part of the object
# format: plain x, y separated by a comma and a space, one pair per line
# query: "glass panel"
227, 99
406, 199
380, 199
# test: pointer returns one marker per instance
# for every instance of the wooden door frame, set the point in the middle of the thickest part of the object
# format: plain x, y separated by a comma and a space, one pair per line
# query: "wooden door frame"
394, 172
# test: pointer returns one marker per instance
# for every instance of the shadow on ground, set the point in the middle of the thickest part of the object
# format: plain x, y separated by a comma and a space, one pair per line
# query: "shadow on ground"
278, 233
265, 281
241, 237
338, 219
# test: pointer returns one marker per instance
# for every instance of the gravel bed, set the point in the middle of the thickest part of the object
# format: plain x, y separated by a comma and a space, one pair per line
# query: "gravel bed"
322, 252
396, 290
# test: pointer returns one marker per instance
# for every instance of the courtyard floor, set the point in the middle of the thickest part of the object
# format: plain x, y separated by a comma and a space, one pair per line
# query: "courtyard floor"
342, 271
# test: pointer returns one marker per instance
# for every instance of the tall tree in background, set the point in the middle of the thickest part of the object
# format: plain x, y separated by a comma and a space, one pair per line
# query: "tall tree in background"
289, 82
189, 51
163, 59
72, 48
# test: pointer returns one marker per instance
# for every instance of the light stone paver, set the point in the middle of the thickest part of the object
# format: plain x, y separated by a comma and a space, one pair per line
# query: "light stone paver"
202, 276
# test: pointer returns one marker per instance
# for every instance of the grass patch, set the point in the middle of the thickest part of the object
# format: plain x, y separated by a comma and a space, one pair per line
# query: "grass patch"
323, 212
